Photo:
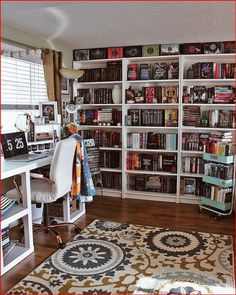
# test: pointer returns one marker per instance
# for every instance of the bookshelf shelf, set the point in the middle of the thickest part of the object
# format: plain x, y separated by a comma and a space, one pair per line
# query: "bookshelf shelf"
180, 81
150, 172
150, 150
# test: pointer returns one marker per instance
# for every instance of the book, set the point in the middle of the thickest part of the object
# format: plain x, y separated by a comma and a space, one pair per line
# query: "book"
171, 118
212, 47
145, 72
207, 70
115, 52
170, 94
133, 51
199, 94
160, 71
191, 48
169, 49
150, 50
132, 72
80, 54
189, 186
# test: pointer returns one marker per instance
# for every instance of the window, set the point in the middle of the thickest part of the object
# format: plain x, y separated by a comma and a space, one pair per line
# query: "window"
22, 88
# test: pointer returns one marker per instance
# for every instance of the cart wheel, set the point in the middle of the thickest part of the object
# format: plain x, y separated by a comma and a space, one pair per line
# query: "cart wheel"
61, 245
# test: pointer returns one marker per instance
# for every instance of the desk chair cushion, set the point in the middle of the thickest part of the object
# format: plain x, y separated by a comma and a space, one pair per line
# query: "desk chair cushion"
41, 192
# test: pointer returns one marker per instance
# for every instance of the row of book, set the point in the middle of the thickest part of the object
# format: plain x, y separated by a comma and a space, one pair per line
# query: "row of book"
217, 170
193, 165
102, 138
99, 117
112, 180
202, 94
151, 162
211, 70
219, 194
191, 186
110, 159
152, 140
94, 95
151, 94
156, 71
216, 142
194, 116
154, 50
5, 237
112, 72
149, 117
152, 183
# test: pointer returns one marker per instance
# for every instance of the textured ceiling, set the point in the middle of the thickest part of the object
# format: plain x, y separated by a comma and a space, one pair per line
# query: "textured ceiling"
103, 24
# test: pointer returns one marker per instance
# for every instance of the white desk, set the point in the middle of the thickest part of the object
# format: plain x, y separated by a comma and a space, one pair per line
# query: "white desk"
9, 169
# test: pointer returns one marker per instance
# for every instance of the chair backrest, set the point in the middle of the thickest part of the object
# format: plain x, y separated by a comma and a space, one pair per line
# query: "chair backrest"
62, 166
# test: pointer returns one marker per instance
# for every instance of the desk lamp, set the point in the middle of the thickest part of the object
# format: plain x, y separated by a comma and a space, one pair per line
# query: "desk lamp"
71, 75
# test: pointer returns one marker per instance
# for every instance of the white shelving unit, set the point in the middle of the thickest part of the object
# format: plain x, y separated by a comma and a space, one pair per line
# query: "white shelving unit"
184, 62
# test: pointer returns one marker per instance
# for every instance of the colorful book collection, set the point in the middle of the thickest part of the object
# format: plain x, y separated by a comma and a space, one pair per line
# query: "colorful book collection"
218, 170
156, 71
151, 162
103, 138
111, 180
216, 142
211, 70
113, 72
202, 94
109, 117
154, 50
194, 116
110, 159
5, 237
152, 183
219, 194
152, 140
167, 117
94, 96
193, 165
151, 94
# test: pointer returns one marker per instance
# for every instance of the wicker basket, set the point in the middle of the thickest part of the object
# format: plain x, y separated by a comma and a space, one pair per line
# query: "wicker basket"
55, 209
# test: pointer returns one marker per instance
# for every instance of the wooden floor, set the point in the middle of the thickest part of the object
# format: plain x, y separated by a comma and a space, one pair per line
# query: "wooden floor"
160, 214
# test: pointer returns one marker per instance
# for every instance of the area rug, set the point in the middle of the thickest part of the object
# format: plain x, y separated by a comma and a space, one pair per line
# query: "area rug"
118, 258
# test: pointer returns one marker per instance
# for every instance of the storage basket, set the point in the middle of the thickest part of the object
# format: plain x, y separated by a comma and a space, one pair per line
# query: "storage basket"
55, 209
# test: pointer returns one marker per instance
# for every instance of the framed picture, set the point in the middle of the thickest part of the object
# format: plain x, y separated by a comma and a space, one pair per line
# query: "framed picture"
64, 85
48, 111
189, 186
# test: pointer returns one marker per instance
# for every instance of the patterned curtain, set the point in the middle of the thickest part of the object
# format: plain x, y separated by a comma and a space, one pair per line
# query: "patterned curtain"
52, 62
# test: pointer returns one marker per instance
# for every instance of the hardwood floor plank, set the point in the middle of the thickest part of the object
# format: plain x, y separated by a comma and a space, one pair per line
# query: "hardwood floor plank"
159, 214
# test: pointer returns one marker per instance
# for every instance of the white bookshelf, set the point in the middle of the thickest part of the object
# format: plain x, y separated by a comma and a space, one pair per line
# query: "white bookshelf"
184, 62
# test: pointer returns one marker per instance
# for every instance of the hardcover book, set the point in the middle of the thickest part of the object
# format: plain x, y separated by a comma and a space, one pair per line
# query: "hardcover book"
191, 48
153, 183
132, 72
207, 70
229, 47
199, 94
160, 71
98, 53
171, 118
133, 51
135, 117
169, 49
115, 52
150, 50
147, 162
80, 54
145, 72
212, 48
189, 186
170, 94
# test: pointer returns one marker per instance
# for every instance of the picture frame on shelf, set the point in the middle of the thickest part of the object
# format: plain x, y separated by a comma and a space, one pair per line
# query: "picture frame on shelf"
189, 186
48, 111
64, 85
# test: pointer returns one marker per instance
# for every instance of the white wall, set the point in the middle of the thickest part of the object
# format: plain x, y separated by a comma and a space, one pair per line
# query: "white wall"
15, 34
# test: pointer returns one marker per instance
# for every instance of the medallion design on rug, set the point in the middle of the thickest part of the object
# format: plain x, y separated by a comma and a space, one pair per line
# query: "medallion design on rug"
112, 257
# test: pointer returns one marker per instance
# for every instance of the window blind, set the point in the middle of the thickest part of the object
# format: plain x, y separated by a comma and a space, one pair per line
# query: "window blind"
23, 83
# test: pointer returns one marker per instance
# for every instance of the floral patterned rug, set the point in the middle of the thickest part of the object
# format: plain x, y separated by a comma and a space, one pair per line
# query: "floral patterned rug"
118, 258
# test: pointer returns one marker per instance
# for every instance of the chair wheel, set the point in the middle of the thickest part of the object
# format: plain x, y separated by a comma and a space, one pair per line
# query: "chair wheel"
61, 245
77, 230
53, 222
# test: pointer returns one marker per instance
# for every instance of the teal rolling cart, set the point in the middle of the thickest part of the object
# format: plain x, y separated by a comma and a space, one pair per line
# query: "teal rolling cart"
215, 201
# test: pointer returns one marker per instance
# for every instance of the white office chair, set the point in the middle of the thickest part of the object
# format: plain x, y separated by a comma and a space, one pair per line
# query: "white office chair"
46, 190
